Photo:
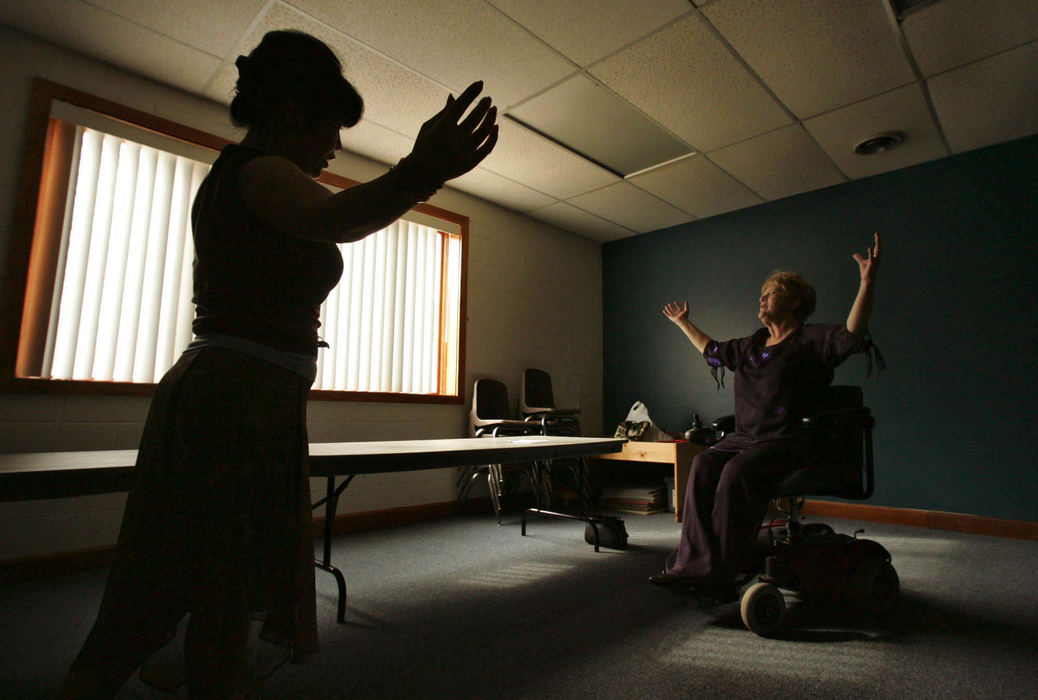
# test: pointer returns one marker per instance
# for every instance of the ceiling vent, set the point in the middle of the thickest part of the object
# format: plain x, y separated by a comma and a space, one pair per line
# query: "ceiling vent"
879, 143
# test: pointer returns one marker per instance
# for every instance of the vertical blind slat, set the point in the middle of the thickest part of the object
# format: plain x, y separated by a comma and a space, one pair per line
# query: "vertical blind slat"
112, 293
144, 368
399, 309
126, 346
76, 262
59, 277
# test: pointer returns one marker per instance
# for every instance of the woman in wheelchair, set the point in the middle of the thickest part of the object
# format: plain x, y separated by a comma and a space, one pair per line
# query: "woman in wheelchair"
782, 373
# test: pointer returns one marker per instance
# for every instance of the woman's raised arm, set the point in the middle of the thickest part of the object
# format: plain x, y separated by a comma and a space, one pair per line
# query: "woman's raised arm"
678, 314
282, 195
861, 309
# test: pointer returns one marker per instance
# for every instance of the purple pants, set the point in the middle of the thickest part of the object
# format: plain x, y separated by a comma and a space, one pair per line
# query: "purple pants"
725, 500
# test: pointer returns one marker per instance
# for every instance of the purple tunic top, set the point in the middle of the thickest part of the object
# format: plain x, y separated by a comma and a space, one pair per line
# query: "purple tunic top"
777, 385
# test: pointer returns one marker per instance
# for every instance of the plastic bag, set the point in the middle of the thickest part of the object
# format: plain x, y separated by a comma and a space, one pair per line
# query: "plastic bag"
639, 426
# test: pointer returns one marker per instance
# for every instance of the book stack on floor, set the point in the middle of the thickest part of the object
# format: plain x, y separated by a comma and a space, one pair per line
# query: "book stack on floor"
642, 500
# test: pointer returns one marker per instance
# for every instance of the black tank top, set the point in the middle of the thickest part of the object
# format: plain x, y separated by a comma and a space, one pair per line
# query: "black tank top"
250, 280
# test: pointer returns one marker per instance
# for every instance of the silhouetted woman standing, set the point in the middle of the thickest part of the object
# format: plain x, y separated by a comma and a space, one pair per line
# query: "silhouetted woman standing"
217, 524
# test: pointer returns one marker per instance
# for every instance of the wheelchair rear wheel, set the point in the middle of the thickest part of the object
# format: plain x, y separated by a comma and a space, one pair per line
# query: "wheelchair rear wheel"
763, 608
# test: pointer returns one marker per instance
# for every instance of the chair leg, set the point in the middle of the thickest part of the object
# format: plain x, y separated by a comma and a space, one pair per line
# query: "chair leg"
540, 478
510, 485
467, 474
470, 475
580, 474
494, 481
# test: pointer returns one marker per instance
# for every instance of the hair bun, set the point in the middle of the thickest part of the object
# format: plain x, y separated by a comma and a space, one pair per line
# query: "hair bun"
291, 67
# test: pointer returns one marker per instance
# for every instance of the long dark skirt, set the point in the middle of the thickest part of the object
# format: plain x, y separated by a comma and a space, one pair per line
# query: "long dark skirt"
218, 521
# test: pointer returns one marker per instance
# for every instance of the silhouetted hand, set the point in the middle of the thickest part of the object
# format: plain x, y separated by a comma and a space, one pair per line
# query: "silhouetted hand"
445, 148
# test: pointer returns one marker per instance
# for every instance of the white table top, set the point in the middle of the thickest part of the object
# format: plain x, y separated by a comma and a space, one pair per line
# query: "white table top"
28, 475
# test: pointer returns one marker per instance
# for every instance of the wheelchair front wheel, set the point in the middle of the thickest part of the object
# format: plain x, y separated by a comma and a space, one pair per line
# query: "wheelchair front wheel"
763, 608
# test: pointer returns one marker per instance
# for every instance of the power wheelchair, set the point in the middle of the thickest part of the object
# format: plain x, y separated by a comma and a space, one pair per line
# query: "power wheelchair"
812, 559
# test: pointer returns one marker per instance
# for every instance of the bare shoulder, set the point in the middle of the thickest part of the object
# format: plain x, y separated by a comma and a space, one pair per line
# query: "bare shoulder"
278, 193
272, 172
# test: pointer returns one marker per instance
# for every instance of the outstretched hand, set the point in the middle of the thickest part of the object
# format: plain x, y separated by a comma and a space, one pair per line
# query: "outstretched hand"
868, 264
447, 146
676, 312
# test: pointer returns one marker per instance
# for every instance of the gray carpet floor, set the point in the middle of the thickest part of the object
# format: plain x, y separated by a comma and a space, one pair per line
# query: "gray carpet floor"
464, 608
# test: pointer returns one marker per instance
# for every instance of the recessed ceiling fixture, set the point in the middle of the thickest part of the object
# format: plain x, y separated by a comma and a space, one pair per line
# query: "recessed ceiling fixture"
879, 143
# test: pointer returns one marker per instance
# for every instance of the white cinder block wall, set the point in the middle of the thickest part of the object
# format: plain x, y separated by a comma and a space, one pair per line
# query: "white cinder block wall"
534, 300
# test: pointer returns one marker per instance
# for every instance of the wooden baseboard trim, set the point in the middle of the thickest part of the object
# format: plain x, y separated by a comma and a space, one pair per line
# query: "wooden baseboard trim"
932, 519
48, 565
395, 517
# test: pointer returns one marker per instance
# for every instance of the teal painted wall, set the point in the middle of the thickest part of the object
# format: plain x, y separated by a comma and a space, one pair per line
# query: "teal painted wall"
956, 317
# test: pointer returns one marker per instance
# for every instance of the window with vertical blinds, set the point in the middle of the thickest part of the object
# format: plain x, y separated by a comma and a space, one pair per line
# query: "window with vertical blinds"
121, 308
390, 321
108, 296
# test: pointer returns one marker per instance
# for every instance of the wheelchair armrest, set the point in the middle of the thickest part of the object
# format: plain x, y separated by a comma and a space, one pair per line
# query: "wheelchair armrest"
724, 424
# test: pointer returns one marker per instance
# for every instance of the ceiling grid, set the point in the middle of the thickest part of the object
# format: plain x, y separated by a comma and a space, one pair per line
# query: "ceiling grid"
762, 99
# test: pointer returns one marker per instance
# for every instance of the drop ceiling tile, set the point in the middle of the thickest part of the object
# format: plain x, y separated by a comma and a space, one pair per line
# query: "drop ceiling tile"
500, 190
569, 218
685, 79
371, 140
394, 97
533, 160
220, 86
955, 32
630, 207
697, 186
592, 29
386, 147
453, 43
780, 164
191, 22
904, 110
816, 55
592, 121
98, 33
990, 101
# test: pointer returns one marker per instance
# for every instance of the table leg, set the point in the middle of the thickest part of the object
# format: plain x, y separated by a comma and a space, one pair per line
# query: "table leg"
331, 505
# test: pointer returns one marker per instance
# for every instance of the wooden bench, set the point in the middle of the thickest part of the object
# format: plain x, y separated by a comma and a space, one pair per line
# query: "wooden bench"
677, 454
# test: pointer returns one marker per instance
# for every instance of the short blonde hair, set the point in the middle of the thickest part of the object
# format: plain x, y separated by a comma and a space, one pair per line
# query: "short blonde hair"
797, 287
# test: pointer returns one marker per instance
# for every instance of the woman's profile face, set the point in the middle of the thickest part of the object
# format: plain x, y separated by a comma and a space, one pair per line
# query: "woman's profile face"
318, 146
775, 303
